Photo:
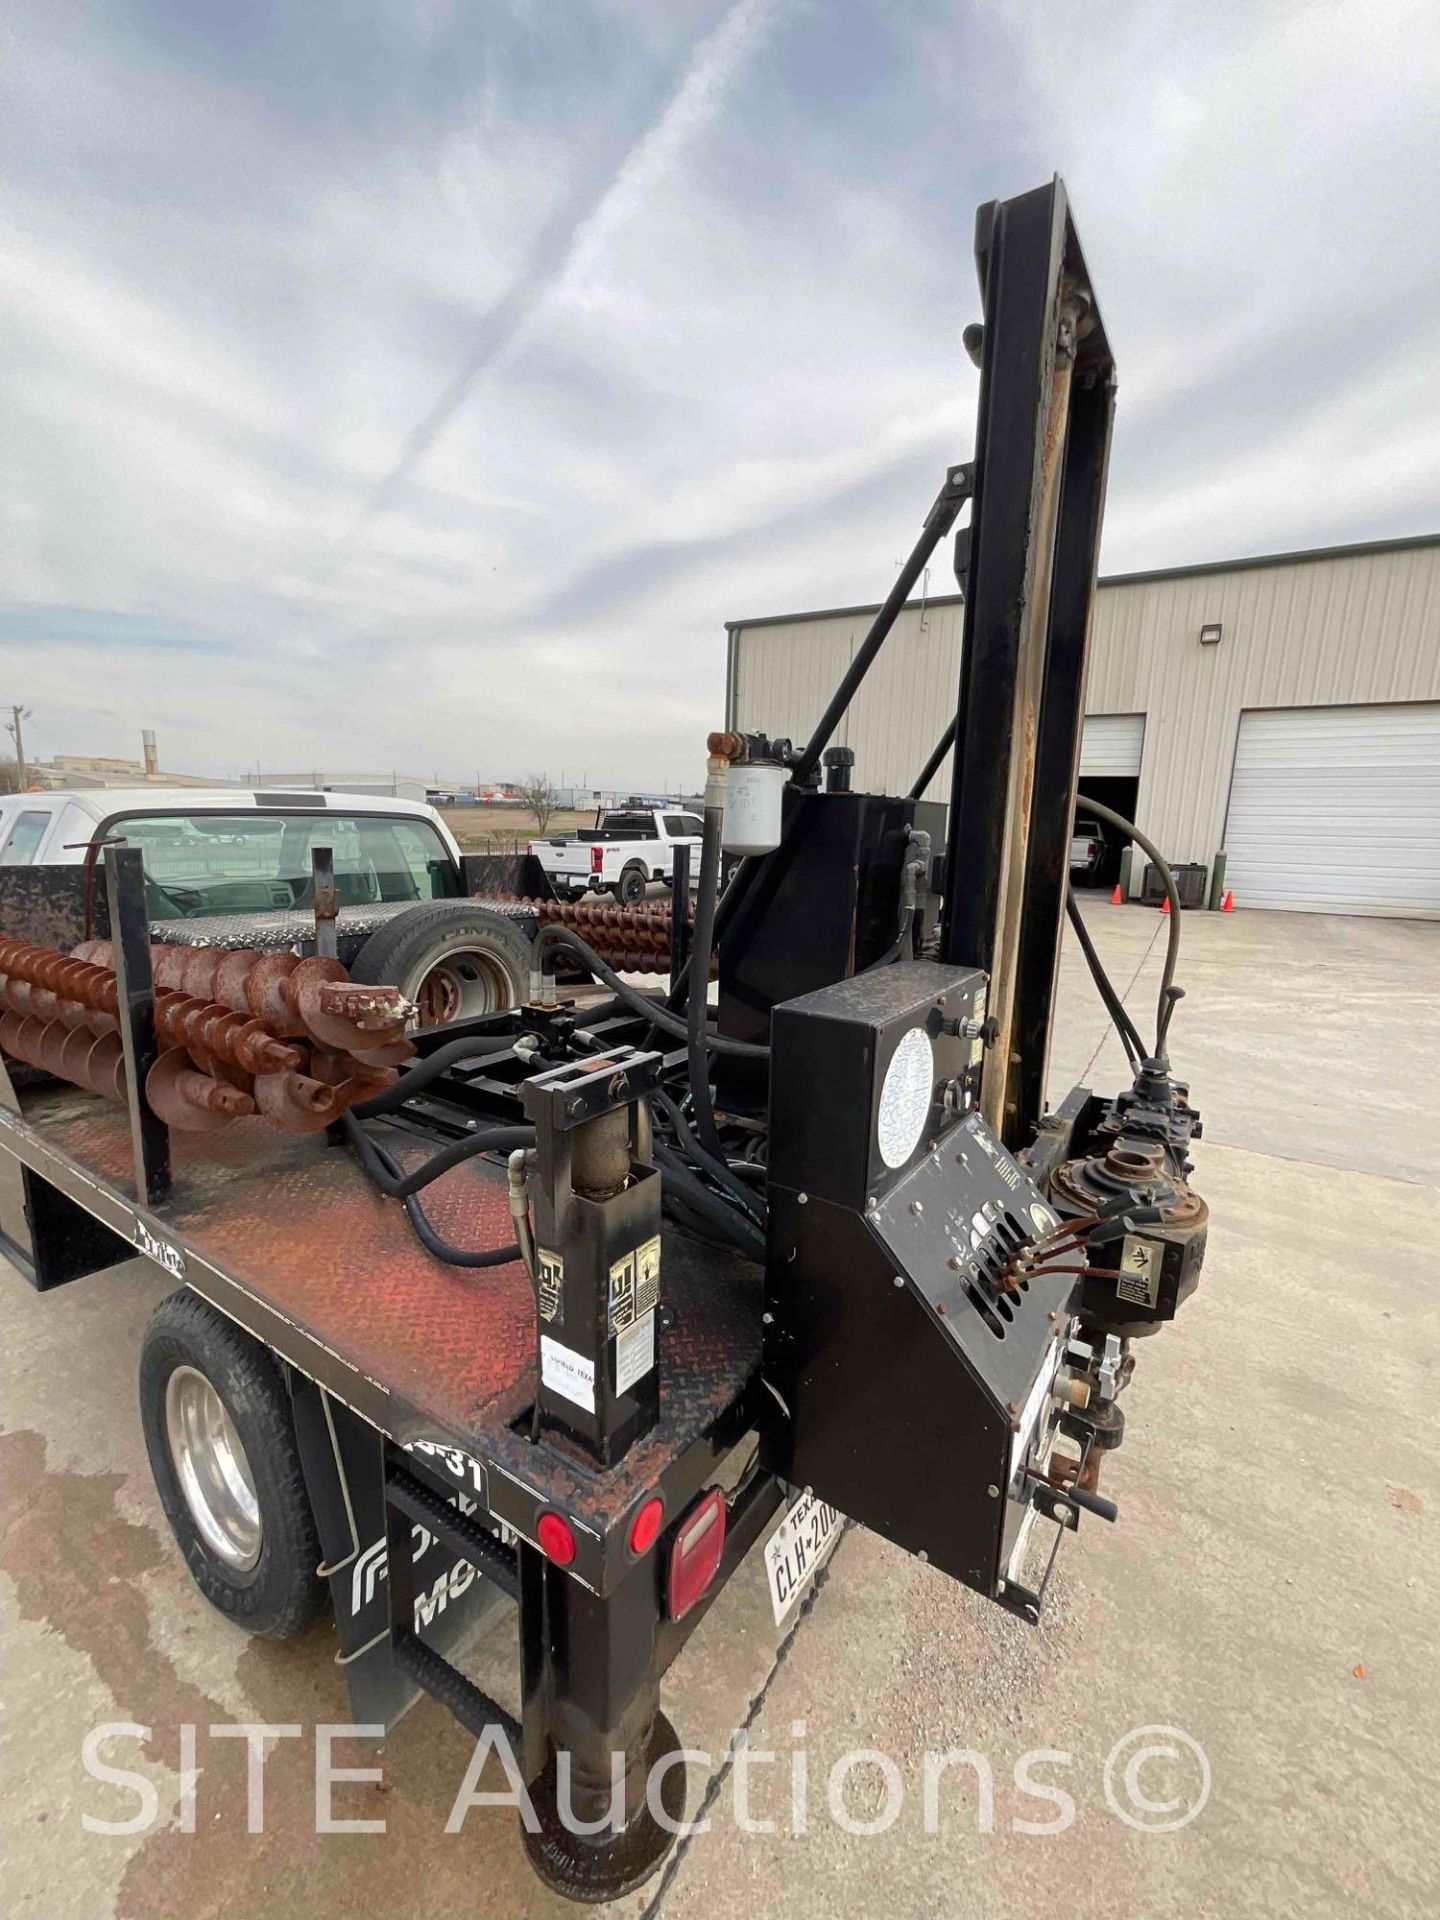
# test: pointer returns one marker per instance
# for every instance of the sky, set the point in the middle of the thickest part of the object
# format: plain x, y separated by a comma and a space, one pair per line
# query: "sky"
422, 384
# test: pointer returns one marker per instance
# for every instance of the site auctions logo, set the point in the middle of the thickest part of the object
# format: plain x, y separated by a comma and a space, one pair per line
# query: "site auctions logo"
1186, 1763
1156, 1779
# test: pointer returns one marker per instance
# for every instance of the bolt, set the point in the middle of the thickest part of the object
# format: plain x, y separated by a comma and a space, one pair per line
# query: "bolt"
802, 1199
767, 1319
899, 1279
994, 1492
916, 1207
922, 1555
1012, 1406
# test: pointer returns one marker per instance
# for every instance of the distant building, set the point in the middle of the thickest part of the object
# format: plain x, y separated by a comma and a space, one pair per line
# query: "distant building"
1284, 708
70, 771
384, 786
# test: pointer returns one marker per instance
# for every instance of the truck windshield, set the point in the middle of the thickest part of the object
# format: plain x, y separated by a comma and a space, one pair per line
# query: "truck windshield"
199, 863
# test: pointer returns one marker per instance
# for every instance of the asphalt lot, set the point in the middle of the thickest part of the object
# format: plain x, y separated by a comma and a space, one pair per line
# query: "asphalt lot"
1269, 1590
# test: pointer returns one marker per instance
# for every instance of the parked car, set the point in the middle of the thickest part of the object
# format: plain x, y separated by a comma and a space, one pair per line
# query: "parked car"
233, 867
1087, 847
622, 853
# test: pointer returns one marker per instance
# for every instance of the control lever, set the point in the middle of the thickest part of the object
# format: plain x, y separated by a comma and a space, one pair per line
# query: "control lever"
1095, 1503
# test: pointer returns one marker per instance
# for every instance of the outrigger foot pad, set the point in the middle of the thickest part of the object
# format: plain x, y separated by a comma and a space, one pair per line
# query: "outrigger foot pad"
603, 1866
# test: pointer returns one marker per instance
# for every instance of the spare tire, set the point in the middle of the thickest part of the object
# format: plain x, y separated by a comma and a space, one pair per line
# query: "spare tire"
454, 959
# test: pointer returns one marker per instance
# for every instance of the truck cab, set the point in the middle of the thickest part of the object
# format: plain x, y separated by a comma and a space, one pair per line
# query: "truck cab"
240, 850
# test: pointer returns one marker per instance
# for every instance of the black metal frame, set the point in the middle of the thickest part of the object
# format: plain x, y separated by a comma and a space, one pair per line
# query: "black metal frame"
130, 939
1043, 434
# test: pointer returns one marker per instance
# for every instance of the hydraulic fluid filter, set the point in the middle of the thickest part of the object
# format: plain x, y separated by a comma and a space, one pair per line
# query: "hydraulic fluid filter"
753, 790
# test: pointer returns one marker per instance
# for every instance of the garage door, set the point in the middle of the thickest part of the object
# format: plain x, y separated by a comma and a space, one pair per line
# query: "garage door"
1337, 810
1111, 743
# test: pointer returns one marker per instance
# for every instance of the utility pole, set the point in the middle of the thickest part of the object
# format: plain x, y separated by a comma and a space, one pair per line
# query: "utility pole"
13, 726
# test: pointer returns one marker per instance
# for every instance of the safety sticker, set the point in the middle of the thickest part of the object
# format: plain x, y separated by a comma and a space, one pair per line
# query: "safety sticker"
647, 1276
1139, 1271
567, 1373
550, 1279
634, 1285
634, 1353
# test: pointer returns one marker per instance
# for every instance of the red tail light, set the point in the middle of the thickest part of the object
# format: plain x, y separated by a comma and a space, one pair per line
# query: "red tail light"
597, 859
555, 1539
646, 1525
695, 1556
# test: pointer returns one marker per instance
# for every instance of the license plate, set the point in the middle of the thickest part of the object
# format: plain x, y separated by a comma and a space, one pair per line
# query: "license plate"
797, 1549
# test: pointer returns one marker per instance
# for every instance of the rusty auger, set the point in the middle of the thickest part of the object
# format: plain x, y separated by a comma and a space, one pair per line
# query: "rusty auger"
295, 1041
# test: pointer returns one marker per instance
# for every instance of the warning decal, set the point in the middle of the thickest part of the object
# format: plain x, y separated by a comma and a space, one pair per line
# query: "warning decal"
634, 1285
550, 1276
634, 1353
1139, 1271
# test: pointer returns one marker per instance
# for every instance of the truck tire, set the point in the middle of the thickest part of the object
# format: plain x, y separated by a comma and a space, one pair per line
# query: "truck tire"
632, 883
222, 1448
452, 958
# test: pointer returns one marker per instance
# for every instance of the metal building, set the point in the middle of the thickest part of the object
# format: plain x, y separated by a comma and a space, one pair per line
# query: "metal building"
1285, 709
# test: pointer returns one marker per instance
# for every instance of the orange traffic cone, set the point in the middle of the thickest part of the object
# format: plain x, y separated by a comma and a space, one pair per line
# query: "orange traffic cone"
1165, 904
1227, 905
1116, 896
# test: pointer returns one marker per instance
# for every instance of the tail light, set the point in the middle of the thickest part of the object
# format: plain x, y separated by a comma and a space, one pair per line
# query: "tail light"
597, 859
645, 1527
556, 1541
695, 1556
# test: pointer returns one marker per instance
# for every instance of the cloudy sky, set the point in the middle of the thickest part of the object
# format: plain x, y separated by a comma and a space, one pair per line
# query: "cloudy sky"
423, 383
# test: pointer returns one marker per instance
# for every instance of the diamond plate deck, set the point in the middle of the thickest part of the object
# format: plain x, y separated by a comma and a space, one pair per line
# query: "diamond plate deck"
296, 1223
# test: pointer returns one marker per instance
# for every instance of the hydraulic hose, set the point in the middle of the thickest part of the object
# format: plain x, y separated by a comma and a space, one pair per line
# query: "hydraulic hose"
1168, 992
718, 1170
484, 1140
735, 890
556, 935
697, 1003
1129, 1034
737, 1228
442, 1249
416, 1078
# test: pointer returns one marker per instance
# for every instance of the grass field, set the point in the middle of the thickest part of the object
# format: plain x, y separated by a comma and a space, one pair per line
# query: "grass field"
504, 829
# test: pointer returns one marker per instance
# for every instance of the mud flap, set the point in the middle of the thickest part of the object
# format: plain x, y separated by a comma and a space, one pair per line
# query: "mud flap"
344, 1463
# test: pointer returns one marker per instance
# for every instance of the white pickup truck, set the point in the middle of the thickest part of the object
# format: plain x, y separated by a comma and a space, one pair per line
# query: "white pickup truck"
622, 853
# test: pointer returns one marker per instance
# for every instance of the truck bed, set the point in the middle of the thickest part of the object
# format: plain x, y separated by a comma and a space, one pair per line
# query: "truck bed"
287, 1235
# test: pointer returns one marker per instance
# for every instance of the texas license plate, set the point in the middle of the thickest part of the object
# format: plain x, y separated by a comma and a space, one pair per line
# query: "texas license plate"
797, 1549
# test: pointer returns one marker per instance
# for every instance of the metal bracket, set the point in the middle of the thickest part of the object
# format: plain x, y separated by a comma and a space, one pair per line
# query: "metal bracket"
130, 939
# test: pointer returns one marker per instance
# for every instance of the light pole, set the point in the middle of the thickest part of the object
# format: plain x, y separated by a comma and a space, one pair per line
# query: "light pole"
14, 727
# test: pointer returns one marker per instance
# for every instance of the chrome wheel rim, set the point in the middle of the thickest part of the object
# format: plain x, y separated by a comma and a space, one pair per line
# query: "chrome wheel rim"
459, 985
212, 1469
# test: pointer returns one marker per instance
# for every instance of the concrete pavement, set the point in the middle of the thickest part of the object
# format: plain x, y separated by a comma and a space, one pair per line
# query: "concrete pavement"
1268, 1591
